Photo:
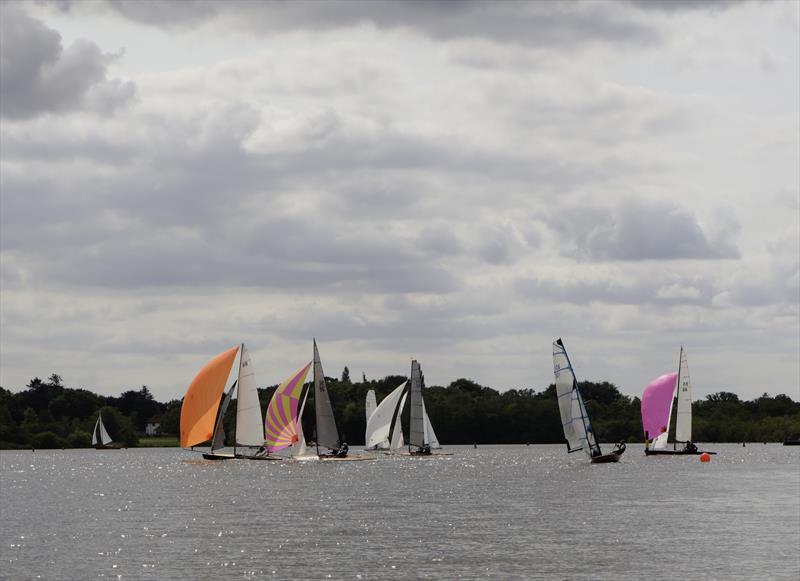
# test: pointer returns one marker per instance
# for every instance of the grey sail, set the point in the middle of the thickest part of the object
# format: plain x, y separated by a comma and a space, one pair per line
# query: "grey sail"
327, 434
218, 441
416, 435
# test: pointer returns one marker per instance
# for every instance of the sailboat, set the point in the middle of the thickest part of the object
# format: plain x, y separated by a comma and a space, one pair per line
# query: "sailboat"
421, 437
575, 420
206, 401
379, 422
284, 426
657, 402
100, 438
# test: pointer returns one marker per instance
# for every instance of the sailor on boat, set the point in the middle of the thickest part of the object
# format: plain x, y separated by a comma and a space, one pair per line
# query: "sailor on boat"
690, 447
342, 451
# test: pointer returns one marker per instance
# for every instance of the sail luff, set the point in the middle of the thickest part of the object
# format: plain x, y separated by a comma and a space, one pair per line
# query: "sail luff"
416, 432
683, 421
249, 421
327, 434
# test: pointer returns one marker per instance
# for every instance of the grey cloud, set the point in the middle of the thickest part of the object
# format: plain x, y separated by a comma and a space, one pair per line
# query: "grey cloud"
662, 291
565, 25
39, 76
637, 230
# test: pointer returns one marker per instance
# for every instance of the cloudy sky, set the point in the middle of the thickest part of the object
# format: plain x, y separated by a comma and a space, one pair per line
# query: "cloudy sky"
456, 182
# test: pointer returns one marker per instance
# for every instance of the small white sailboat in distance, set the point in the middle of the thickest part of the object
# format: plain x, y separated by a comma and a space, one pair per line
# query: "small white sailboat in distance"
421, 437
100, 438
575, 420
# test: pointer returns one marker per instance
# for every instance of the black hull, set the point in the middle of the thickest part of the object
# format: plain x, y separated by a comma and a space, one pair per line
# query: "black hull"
791, 442
211, 456
606, 458
676, 452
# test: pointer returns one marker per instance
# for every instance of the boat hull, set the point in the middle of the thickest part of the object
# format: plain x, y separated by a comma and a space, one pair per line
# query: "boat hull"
211, 456
676, 452
413, 455
606, 458
791, 442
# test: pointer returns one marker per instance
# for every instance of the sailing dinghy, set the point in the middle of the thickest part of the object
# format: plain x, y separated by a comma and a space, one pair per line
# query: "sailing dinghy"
100, 438
657, 402
284, 428
207, 400
575, 420
379, 422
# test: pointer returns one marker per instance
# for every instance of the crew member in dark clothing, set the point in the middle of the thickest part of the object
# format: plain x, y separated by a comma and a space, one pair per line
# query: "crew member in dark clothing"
342, 451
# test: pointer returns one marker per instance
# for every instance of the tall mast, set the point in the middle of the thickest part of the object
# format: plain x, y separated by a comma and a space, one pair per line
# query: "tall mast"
584, 412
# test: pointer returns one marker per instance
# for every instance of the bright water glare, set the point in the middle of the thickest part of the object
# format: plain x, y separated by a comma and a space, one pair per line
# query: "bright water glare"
495, 512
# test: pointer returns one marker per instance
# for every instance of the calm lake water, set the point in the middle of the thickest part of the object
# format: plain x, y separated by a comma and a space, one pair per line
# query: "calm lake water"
496, 512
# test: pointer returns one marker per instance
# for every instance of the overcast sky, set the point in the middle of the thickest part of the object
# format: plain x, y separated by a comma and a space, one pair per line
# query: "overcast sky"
457, 182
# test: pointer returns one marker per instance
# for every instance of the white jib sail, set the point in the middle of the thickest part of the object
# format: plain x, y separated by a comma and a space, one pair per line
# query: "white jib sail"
100, 430
683, 422
574, 419
397, 433
299, 449
380, 421
249, 421
371, 404
430, 435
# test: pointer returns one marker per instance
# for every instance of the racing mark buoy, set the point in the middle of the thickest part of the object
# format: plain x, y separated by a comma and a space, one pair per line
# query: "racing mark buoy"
705, 457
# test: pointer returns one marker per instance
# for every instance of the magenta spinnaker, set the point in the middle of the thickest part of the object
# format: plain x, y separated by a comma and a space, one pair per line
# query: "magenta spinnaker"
657, 404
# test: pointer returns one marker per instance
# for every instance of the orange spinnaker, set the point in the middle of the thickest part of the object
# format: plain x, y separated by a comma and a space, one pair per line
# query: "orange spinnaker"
200, 404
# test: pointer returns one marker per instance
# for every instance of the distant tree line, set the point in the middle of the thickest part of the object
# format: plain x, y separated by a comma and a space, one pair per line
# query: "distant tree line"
49, 415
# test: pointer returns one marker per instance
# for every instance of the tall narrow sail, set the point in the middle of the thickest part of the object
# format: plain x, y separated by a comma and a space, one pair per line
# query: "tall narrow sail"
202, 399
371, 403
574, 418
430, 435
416, 433
683, 421
380, 421
281, 415
327, 434
397, 432
657, 409
249, 423
99, 436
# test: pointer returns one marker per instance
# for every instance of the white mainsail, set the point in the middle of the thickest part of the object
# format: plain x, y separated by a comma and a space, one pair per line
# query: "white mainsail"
371, 404
99, 435
249, 421
430, 435
574, 419
397, 432
379, 422
683, 421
